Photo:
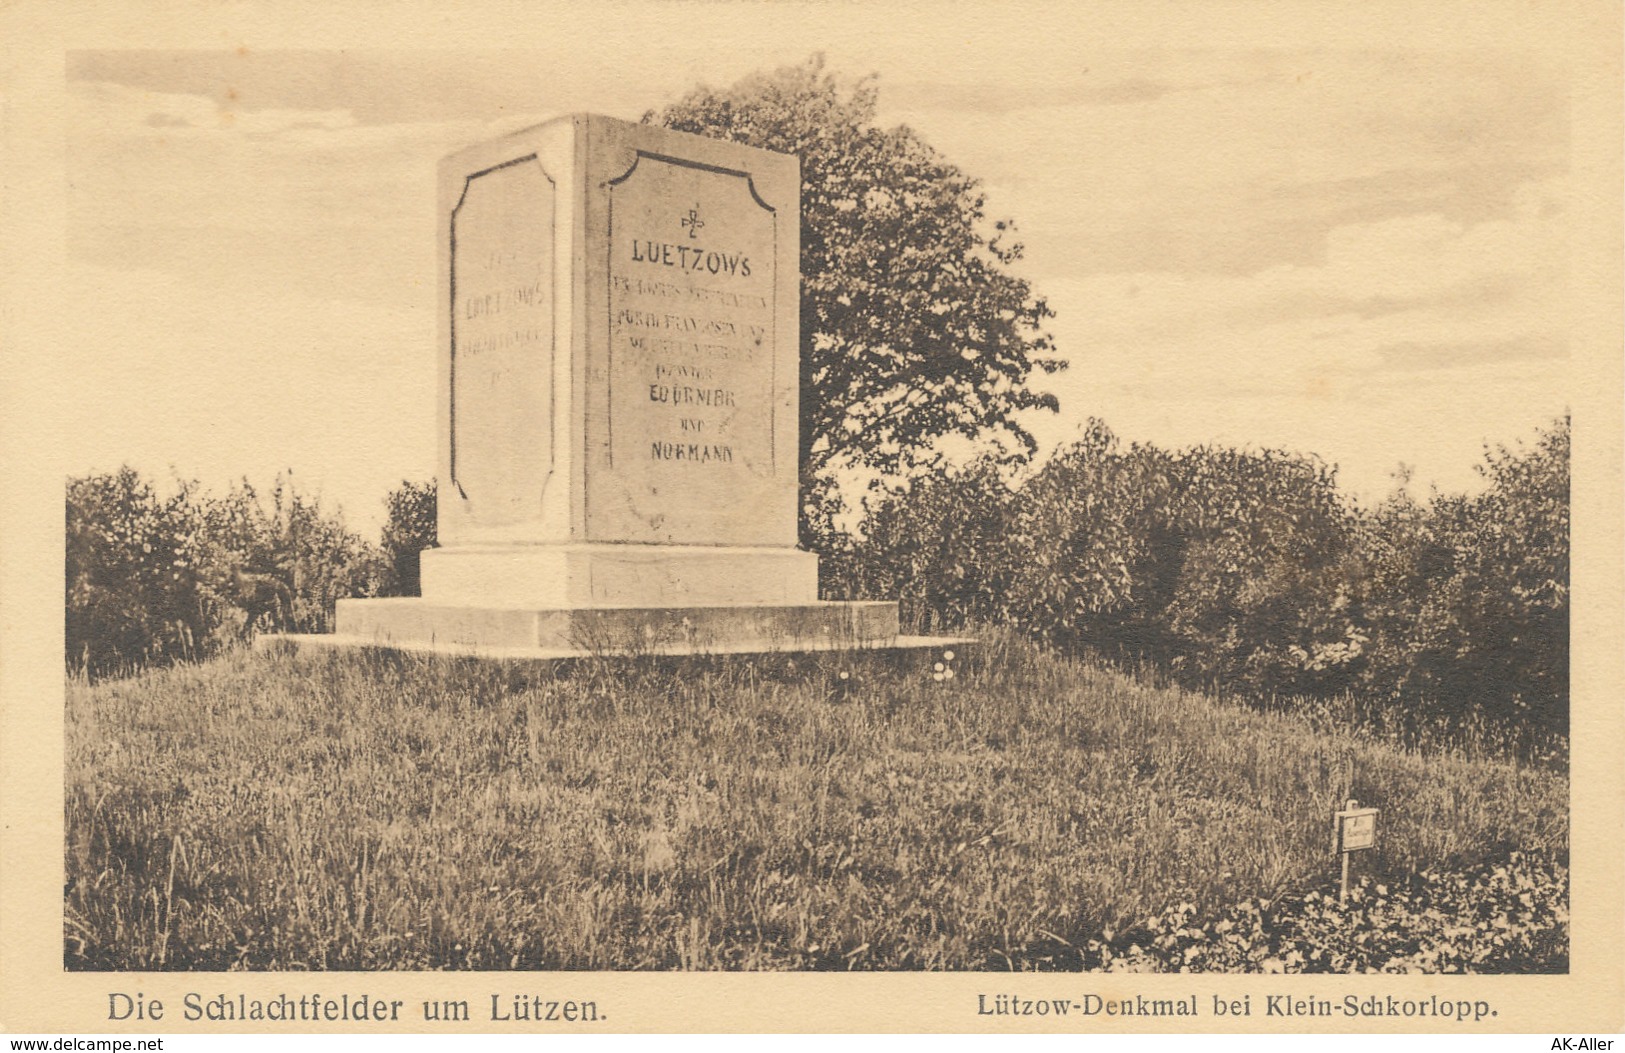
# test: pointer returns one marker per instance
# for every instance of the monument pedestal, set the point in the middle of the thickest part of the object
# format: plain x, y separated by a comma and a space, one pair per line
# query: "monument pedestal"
420, 624
588, 575
556, 600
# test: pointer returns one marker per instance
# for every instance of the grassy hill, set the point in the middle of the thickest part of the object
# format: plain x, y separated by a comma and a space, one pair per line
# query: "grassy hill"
832, 811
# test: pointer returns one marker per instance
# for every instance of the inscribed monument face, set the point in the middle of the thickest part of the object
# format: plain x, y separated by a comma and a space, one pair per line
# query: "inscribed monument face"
501, 329
690, 370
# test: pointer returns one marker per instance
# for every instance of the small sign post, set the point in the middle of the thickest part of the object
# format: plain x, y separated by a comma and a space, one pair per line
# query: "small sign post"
1354, 830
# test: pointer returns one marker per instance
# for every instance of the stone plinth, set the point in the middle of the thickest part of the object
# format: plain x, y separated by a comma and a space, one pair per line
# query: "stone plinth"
618, 575
617, 630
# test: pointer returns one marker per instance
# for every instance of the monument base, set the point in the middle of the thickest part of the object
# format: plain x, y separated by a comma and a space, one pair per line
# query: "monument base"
576, 600
915, 646
528, 632
620, 575
619, 629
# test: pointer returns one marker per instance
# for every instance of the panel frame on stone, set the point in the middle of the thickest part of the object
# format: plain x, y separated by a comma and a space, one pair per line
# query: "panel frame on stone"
612, 155
461, 518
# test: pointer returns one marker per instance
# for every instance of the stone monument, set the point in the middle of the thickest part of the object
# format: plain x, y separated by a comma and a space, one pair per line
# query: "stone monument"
618, 395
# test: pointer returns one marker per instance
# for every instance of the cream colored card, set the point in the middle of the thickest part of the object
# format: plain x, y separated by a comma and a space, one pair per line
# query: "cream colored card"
1385, 233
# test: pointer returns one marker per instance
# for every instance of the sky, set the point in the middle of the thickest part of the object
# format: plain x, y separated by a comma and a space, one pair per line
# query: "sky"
1356, 253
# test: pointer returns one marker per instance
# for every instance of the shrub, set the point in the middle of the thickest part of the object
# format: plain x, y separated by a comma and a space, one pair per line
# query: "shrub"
1229, 566
1247, 572
1467, 598
132, 591
412, 527
942, 549
153, 580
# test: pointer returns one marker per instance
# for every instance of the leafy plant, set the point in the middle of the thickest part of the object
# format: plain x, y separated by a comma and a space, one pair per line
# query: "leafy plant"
1248, 573
1507, 915
153, 580
411, 527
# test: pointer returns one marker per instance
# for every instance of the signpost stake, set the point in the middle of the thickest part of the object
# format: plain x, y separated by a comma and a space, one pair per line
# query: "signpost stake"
1343, 889
1354, 830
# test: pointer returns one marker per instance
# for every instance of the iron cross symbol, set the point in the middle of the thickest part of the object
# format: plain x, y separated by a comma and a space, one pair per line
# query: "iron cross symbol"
693, 222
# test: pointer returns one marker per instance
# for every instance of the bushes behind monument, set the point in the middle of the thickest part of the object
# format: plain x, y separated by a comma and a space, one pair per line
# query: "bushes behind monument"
1249, 573
154, 578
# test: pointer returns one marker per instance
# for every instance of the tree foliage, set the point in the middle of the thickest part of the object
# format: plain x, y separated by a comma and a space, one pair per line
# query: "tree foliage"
1467, 598
1247, 572
131, 595
410, 528
153, 579
913, 325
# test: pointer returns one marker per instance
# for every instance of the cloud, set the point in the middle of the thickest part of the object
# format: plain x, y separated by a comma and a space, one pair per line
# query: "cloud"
1004, 100
103, 108
1378, 283
1229, 163
590, 70
1412, 333
1412, 357
306, 199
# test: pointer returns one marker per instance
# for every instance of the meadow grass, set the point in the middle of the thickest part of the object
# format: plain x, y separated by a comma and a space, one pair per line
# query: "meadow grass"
366, 811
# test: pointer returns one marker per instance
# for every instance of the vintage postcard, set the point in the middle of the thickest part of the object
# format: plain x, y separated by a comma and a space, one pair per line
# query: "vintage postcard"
812, 517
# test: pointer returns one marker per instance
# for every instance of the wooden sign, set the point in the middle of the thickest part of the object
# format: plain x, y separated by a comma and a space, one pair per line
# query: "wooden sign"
1357, 829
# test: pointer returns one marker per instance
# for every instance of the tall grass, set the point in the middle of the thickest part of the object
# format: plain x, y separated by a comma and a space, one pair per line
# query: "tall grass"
828, 811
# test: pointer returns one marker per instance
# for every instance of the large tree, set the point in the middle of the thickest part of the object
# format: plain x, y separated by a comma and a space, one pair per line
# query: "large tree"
913, 327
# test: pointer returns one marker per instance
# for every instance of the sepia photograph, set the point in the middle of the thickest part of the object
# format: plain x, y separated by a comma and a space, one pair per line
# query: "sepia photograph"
696, 494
